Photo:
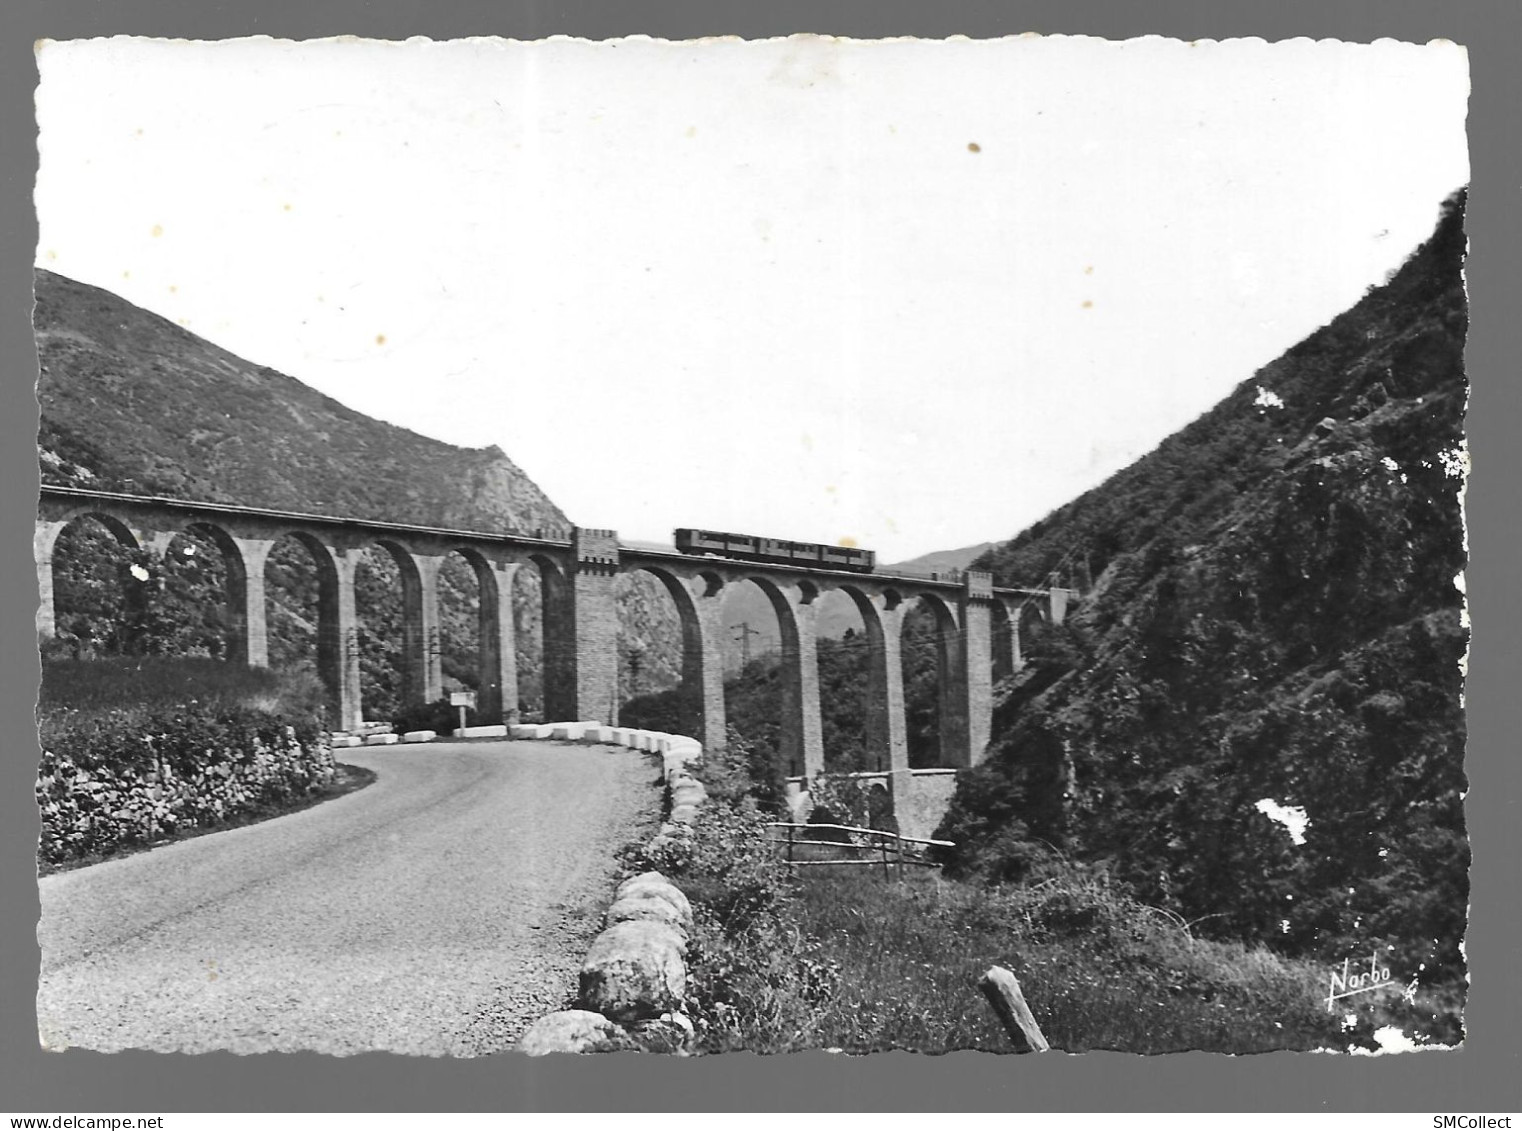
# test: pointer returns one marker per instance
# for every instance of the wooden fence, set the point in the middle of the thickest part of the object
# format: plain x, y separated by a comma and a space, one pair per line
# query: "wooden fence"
869, 847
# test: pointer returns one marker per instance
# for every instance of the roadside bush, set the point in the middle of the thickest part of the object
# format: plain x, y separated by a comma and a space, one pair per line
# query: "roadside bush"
113, 778
839, 800
658, 710
437, 716
755, 977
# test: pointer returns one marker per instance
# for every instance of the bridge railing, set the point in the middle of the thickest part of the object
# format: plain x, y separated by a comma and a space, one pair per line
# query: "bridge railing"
953, 575
867, 847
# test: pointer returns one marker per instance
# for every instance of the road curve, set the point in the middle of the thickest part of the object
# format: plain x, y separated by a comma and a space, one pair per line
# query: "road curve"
436, 912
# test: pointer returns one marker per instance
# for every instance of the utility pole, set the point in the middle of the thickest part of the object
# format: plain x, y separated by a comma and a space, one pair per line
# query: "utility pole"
746, 632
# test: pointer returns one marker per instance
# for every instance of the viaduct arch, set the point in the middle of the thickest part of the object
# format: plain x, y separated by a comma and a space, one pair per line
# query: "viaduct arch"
580, 618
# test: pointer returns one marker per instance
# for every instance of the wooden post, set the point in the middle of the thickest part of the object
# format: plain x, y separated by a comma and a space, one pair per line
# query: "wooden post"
1003, 993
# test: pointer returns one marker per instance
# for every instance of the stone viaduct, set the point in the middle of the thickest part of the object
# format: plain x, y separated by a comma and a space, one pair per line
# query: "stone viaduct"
978, 622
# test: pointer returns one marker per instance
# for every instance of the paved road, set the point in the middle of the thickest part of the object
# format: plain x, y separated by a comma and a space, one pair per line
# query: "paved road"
437, 911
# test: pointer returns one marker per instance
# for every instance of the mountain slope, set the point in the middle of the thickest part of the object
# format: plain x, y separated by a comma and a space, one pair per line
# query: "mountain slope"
944, 559
1273, 617
151, 408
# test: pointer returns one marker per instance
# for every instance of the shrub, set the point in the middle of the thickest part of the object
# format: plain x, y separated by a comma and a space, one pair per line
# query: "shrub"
846, 801
113, 778
755, 977
659, 710
437, 716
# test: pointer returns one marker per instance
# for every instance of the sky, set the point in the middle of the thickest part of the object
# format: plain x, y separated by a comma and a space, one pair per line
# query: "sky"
908, 295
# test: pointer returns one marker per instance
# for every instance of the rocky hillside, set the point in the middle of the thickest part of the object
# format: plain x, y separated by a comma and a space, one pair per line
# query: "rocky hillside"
1273, 618
148, 407
132, 402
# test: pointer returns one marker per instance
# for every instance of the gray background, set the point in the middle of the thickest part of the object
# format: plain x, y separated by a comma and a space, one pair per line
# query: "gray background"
1482, 1076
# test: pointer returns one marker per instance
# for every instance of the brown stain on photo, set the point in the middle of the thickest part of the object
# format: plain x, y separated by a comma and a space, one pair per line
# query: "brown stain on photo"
380, 339
158, 230
974, 147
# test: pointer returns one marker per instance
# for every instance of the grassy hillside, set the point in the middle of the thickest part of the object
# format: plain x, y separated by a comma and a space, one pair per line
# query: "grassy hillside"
782, 960
151, 408
1273, 616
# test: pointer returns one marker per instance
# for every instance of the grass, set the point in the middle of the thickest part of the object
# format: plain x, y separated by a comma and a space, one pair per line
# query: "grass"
1099, 970
783, 960
88, 687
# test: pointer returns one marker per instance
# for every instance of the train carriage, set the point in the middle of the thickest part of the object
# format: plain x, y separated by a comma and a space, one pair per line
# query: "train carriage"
749, 547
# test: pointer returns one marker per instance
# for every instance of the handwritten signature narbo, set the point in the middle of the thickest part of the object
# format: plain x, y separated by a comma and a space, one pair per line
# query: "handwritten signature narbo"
1350, 981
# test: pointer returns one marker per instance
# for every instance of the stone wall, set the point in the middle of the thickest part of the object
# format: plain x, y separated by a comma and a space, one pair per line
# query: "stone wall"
633, 983
921, 799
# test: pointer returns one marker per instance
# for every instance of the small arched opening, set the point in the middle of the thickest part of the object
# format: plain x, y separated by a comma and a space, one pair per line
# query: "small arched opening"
1005, 644
464, 580
386, 585
197, 607
672, 666
102, 581
754, 696
653, 635
851, 653
301, 617
545, 640
928, 644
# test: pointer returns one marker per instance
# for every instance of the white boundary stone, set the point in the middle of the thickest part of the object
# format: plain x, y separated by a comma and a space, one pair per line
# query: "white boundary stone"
494, 730
420, 736
387, 739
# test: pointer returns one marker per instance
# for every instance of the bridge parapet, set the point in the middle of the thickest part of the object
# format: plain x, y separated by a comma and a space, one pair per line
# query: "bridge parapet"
595, 548
980, 585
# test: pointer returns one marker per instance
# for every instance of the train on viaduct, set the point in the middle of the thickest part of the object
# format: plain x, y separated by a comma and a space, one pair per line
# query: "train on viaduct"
977, 621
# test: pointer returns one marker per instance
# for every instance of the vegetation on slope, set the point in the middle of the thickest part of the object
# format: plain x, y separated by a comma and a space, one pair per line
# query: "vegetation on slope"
851, 960
1273, 616
151, 408
202, 745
